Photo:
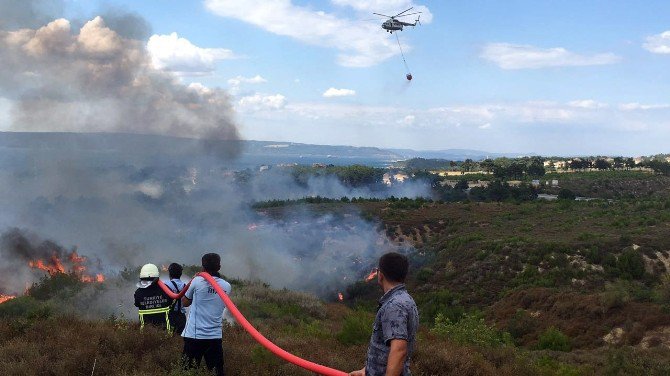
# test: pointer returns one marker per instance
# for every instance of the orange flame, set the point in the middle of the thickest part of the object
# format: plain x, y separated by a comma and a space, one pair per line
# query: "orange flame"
55, 266
6, 298
76, 259
340, 297
371, 276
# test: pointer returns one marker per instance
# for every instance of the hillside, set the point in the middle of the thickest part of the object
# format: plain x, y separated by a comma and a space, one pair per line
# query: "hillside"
503, 288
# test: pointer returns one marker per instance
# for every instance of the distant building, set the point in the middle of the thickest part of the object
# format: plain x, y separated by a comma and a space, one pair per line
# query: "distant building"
514, 183
558, 165
554, 183
478, 184
535, 183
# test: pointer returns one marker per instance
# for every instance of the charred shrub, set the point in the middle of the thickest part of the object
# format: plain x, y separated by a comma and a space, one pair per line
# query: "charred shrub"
520, 324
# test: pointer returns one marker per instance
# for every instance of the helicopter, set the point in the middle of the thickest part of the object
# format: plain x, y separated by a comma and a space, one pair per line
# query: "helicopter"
392, 24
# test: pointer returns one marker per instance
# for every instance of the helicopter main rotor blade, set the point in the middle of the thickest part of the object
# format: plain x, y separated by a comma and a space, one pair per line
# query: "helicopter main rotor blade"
383, 15
406, 10
408, 14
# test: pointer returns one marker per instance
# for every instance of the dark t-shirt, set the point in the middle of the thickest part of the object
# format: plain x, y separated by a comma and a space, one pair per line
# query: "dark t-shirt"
152, 297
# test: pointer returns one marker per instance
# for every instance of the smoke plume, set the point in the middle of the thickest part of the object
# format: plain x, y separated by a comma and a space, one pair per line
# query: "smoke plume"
99, 78
125, 208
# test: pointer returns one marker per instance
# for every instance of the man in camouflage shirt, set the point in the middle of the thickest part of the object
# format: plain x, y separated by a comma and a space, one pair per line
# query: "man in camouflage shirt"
394, 331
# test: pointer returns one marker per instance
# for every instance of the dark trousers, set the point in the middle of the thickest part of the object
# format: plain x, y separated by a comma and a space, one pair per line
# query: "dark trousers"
210, 349
178, 322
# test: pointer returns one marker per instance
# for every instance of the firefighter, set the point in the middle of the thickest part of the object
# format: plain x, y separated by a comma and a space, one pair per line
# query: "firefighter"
154, 305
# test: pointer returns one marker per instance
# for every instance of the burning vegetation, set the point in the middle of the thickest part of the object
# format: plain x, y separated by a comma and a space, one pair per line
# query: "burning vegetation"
25, 250
74, 264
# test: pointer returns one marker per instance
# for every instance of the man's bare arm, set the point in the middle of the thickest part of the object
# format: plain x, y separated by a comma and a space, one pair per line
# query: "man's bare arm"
397, 356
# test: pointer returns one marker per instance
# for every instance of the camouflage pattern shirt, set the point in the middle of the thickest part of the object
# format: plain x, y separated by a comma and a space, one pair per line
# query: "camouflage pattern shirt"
397, 318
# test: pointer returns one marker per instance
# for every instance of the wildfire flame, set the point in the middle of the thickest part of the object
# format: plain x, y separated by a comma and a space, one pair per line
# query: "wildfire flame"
5, 298
76, 265
371, 276
53, 266
340, 297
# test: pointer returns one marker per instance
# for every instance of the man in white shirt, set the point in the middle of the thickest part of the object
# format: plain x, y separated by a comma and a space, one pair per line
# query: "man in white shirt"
203, 332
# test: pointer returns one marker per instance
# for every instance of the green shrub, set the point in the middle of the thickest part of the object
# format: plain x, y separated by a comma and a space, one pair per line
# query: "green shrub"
566, 194
259, 355
549, 366
631, 264
471, 329
616, 295
356, 329
443, 302
554, 339
59, 285
424, 275
26, 307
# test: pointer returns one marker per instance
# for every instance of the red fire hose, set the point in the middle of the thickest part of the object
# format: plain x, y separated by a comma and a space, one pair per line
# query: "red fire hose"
310, 366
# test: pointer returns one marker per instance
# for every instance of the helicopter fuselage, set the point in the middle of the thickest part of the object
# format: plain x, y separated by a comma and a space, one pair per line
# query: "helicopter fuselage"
395, 25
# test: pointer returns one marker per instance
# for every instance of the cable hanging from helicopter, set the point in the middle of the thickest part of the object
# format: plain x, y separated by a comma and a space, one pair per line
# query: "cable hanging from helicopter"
393, 24
409, 74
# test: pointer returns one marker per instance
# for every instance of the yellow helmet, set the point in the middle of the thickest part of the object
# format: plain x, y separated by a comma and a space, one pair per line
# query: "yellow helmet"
149, 271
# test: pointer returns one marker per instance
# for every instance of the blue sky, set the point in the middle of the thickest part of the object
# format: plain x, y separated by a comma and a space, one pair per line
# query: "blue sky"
569, 77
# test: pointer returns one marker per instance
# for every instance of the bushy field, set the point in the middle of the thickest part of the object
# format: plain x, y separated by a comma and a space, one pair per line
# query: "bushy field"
531, 288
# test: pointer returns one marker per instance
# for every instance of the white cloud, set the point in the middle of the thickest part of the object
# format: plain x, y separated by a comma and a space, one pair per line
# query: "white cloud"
659, 43
514, 56
389, 7
237, 81
407, 120
482, 116
359, 44
179, 55
642, 107
332, 92
260, 102
588, 103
